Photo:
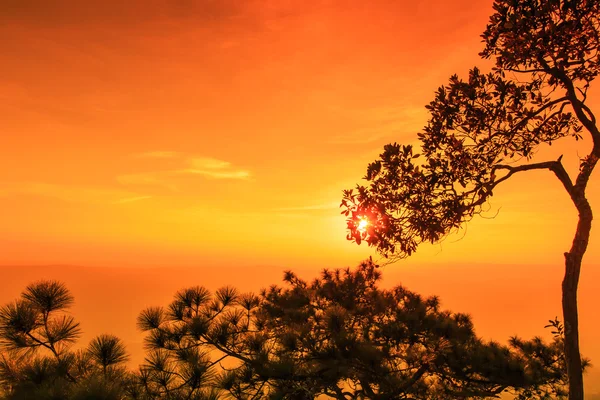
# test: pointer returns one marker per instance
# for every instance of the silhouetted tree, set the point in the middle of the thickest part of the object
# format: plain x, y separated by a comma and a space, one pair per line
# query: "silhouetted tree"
556, 388
108, 353
38, 320
189, 339
36, 334
355, 340
341, 337
485, 129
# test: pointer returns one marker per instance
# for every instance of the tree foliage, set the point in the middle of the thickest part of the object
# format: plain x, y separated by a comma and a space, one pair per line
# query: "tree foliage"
37, 361
355, 340
39, 320
188, 340
340, 336
487, 127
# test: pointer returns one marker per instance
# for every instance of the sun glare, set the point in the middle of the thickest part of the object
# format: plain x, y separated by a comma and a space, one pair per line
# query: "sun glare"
362, 225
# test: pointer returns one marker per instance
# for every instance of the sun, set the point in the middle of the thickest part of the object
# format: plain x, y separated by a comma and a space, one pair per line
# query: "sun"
362, 225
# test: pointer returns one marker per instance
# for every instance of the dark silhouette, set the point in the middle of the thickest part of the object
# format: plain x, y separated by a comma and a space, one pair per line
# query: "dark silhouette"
36, 335
184, 338
485, 129
340, 337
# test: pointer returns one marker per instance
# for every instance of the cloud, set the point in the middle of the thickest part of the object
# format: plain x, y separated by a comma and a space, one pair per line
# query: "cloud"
209, 163
68, 193
214, 168
131, 199
217, 174
158, 154
207, 167
241, 174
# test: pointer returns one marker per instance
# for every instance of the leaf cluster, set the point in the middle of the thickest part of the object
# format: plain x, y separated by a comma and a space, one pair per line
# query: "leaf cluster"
485, 128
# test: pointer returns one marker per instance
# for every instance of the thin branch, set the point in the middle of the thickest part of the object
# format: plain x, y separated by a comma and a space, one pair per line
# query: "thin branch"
525, 167
53, 350
554, 166
418, 374
258, 391
525, 71
583, 112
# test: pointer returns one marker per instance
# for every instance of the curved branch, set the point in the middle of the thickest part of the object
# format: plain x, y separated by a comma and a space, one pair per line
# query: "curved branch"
53, 350
554, 166
582, 111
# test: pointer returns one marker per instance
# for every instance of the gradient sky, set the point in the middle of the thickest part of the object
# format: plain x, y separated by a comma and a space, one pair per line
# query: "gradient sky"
218, 134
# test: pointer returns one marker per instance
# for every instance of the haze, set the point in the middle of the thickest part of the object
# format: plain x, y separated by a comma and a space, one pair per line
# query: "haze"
152, 145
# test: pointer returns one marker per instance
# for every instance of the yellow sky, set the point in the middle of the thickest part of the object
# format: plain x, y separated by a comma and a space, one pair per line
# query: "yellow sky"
217, 133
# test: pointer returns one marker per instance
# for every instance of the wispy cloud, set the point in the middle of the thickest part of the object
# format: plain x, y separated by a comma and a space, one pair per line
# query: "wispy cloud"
158, 154
69, 193
214, 168
126, 200
148, 179
206, 167
207, 162
218, 174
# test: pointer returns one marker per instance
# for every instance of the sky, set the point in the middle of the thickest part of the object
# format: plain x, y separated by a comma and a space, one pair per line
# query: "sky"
147, 145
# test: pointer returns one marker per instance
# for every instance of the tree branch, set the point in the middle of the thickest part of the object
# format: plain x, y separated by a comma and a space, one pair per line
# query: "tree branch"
524, 71
413, 379
53, 350
582, 111
554, 166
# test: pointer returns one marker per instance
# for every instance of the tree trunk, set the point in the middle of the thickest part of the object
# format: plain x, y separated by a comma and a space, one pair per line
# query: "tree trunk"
569, 298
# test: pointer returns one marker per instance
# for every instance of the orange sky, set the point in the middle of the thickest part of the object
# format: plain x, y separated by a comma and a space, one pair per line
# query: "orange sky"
207, 135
